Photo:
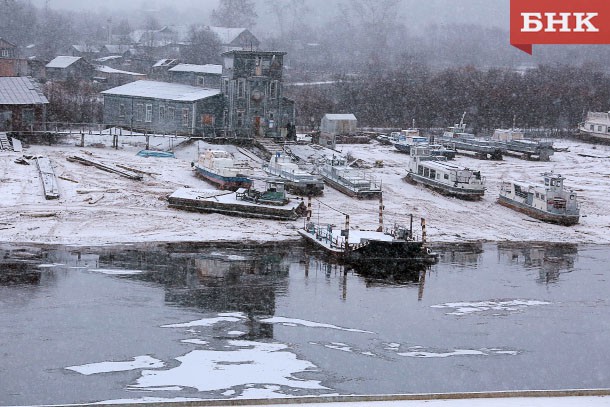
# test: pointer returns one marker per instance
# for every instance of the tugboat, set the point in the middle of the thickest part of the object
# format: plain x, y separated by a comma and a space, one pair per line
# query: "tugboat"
436, 173
218, 168
550, 202
297, 181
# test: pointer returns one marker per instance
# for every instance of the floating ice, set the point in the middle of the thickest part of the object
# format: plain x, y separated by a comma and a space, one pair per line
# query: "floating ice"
457, 352
248, 363
117, 272
292, 322
195, 341
464, 308
204, 322
139, 362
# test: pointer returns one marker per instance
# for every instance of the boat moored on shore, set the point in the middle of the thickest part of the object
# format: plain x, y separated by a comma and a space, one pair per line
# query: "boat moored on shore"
297, 181
449, 179
219, 168
550, 202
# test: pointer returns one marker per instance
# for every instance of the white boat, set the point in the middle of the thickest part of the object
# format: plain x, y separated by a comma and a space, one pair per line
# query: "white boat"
297, 181
219, 168
549, 202
449, 179
597, 124
351, 181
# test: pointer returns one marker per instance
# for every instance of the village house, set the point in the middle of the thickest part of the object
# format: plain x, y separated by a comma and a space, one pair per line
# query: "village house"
111, 77
87, 52
63, 68
162, 107
235, 39
205, 76
22, 104
160, 69
10, 64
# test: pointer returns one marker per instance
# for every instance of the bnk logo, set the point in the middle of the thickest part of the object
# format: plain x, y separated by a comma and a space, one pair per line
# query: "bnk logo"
559, 22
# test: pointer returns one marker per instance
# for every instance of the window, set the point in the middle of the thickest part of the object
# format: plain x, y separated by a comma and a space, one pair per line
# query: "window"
240, 88
207, 119
161, 113
591, 127
171, 113
200, 81
5, 52
122, 110
273, 89
148, 113
28, 116
240, 118
225, 84
432, 174
139, 112
446, 176
185, 117
599, 128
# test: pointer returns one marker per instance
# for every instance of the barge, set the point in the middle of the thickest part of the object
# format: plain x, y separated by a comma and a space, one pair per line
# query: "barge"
351, 181
298, 181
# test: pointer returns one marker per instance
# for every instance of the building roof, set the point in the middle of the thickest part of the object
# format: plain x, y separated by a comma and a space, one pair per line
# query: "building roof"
86, 48
347, 116
162, 90
227, 34
62, 62
207, 68
165, 62
107, 69
20, 90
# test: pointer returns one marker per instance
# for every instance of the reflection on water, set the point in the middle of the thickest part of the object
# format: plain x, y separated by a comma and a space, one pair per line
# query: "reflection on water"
178, 317
551, 259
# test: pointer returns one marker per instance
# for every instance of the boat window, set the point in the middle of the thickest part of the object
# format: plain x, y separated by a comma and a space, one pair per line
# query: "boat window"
426, 172
599, 128
591, 127
420, 170
571, 197
446, 176
432, 174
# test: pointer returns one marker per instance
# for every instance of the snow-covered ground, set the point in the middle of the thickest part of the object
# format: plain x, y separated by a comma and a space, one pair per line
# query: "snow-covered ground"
97, 207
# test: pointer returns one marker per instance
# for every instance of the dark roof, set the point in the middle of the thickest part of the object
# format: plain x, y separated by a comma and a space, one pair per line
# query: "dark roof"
239, 52
20, 90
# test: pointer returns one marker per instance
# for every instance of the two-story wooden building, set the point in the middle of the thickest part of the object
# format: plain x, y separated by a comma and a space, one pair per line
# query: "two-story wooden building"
163, 107
10, 63
252, 82
22, 104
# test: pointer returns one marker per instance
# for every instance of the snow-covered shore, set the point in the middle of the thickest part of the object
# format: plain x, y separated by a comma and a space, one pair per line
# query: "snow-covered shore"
97, 207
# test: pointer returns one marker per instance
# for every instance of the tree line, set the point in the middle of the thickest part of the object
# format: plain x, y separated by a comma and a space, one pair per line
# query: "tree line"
546, 96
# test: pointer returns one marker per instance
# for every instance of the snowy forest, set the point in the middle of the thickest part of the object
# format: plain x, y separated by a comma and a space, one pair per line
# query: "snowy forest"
370, 58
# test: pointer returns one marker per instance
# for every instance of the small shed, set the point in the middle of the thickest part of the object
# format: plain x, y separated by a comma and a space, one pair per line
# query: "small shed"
22, 104
163, 107
333, 125
205, 76
115, 77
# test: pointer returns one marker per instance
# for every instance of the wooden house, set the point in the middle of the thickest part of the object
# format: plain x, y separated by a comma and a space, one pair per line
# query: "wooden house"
10, 63
63, 68
163, 107
22, 104
235, 39
112, 77
88, 52
205, 76
252, 82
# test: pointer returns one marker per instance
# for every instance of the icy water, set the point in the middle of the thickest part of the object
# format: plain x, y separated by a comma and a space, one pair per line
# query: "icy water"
177, 322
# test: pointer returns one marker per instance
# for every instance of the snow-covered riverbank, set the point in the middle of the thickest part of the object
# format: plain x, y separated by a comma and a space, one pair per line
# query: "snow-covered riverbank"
97, 207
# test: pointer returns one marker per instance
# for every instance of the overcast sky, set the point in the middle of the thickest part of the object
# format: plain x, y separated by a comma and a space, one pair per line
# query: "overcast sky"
416, 13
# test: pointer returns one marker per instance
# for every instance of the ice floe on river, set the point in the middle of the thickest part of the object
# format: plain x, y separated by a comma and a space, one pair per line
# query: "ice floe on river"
465, 308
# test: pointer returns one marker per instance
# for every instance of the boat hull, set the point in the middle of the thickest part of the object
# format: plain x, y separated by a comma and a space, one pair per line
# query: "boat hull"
559, 219
468, 194
222, 182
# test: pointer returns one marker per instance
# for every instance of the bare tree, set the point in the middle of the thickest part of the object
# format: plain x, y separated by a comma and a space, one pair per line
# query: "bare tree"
204, 47
235, 13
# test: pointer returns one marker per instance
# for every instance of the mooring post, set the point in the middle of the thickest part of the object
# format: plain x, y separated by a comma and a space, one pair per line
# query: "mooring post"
423, 230
346, 234
380, 229
411, 227
147, 142
308, 208
82, 139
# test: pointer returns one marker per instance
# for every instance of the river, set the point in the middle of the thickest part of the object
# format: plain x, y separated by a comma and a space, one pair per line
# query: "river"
179, 322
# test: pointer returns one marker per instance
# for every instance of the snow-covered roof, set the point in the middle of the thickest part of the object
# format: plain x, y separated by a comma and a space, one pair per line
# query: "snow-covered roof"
207, 68
62, 62
86, 48
162, 90
164, 62
20, 90
227, 34
347, 116
107, 69
108, 58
